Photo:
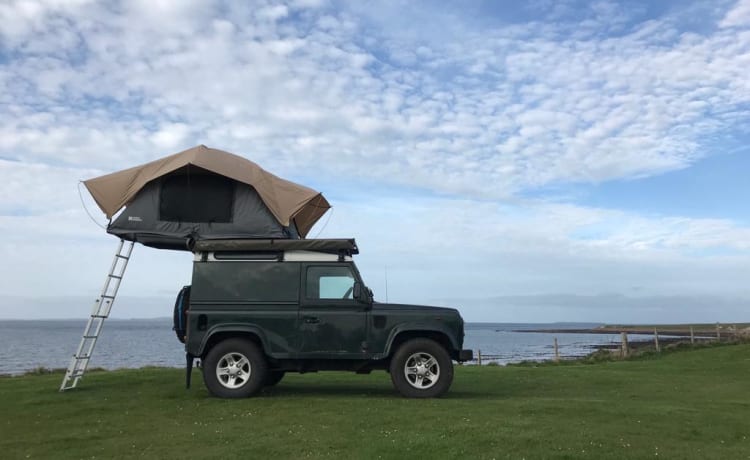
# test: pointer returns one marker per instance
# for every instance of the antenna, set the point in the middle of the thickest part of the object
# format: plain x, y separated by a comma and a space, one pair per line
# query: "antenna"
386, 284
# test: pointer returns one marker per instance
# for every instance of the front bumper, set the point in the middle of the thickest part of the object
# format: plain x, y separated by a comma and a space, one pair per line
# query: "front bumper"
465, 355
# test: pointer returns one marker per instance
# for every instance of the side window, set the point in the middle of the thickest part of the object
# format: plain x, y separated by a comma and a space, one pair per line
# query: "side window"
257, 281
329, 283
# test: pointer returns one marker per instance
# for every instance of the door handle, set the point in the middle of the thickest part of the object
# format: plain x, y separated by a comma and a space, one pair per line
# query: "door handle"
311, 320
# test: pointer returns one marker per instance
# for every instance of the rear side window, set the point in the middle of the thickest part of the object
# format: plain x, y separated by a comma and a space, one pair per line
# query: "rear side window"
329, 283
245, 282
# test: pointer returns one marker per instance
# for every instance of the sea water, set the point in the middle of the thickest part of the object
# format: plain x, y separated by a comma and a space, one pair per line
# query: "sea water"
29, 344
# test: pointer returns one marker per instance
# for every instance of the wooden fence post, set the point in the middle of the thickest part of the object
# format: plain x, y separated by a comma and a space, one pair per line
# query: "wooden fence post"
479, 357
557, 352
718, 332
692, 336
656, 340
624, 344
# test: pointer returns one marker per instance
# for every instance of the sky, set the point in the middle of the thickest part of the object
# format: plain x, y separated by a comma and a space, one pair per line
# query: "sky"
541, 161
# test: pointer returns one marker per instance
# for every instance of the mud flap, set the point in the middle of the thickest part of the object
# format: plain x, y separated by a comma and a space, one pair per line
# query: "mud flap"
188, 369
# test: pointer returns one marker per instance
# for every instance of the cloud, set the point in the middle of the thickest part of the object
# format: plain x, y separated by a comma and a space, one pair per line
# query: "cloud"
442, 251
488, 114
456, 112
463, 252
171, 136
738, 16
599, 308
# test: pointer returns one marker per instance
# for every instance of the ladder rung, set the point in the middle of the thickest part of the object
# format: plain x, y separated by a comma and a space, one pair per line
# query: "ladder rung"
78, 364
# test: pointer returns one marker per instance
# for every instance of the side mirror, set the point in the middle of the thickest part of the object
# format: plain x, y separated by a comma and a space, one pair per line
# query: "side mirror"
362, 293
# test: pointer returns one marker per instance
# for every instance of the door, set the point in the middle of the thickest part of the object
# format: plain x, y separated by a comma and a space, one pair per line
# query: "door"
332, 323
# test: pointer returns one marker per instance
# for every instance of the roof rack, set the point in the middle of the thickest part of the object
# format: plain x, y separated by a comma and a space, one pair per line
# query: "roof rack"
341, 246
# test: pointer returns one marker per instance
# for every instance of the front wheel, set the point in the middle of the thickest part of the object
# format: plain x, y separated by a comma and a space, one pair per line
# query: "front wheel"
234, 368
421, 368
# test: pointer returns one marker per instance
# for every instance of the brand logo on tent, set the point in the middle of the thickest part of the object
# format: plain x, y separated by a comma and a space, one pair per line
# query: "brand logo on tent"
134, 219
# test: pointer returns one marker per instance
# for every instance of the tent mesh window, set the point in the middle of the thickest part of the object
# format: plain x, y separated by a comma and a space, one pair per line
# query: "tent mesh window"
190, 196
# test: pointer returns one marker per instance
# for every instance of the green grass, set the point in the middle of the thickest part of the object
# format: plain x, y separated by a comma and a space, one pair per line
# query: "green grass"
692, 404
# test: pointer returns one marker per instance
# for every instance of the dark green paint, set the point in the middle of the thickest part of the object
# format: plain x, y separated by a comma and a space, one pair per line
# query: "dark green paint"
277, 303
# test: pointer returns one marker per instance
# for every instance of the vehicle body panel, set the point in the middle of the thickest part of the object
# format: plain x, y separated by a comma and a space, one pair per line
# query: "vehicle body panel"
302, 313
259, 295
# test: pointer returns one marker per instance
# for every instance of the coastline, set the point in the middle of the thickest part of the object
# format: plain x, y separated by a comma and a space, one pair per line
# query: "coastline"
716, 330
663, 332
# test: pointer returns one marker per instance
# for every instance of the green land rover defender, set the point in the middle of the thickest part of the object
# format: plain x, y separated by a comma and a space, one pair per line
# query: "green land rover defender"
257, 309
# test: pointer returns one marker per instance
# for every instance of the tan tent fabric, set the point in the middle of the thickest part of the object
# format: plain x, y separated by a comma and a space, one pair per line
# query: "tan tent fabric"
286, 200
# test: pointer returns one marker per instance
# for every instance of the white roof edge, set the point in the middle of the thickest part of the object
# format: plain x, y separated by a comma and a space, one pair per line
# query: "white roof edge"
307, 256
289, 256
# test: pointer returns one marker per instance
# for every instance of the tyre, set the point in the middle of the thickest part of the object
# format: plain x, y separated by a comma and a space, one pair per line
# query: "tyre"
234, 368
421, 368
180, 314
274, 377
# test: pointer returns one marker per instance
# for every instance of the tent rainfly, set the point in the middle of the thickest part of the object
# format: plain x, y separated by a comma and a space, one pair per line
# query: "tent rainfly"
204, 194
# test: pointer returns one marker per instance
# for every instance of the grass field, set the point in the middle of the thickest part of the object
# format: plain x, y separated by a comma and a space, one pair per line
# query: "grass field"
692, 404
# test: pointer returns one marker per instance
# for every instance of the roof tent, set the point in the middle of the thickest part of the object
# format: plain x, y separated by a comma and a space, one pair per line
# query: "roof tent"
204, 194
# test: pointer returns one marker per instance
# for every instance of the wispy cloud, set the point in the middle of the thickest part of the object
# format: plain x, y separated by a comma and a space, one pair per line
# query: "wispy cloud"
470, 107
737, 16
495, 111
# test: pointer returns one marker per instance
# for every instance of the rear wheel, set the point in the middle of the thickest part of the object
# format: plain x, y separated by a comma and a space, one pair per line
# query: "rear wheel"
234, 368
421, 368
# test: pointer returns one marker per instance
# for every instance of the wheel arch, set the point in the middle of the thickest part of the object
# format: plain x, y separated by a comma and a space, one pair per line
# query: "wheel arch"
229, 331
403, 335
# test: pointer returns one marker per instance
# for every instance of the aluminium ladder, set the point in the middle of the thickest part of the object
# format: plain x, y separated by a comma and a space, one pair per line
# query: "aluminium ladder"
100, 312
